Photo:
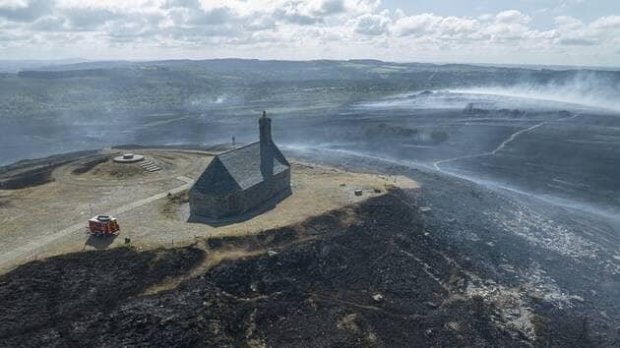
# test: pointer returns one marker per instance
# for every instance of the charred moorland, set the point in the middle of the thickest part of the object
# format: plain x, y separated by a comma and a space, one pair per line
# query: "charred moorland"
395, 276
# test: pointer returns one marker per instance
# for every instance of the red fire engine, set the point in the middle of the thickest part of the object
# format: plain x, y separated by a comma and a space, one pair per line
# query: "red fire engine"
103, 225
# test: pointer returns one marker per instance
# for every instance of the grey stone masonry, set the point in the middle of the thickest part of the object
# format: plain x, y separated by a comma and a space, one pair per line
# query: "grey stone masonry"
240, 180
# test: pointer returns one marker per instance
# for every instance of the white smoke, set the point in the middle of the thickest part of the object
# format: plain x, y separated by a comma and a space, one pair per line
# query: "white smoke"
585, 89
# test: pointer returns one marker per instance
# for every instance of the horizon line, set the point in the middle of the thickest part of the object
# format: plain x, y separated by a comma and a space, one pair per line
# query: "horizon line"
78, 60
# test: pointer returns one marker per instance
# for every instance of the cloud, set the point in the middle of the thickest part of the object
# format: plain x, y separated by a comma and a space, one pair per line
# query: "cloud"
298, 28
260, 23
609, 22
370, 24
13, 3
455, 26
508, 26
89, 18
49, 23
315, 11
25, 11
568, 23
430, 25
216, 16
415, 25
576, 41
571, 31
291, 15
330, 7
512, 17
190, 4
133, 28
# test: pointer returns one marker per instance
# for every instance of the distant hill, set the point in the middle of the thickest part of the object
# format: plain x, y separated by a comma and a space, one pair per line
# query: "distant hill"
448, 74
13, 66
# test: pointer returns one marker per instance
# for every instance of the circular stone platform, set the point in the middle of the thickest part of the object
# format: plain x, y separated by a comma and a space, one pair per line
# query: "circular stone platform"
128, 158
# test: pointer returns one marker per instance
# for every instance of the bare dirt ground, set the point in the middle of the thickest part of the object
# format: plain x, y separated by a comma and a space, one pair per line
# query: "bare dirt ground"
50, 219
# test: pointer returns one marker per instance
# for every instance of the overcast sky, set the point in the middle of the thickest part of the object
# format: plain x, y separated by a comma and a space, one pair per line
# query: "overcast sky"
560, 32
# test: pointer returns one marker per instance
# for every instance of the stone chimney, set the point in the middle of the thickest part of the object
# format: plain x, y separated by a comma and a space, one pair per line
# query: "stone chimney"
264, 124
266, 144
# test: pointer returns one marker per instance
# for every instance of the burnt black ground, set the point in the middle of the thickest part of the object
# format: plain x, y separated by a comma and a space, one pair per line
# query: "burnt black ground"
43, 300
316, 289
490, 227
570, 154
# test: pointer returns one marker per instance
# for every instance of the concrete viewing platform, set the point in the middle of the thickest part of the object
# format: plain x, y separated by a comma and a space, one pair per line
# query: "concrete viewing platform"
128, 158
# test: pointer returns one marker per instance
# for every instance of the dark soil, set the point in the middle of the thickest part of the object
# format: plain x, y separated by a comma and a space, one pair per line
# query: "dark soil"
35, 172
170, 208
86, 165
118, 171
383, 281
49, 302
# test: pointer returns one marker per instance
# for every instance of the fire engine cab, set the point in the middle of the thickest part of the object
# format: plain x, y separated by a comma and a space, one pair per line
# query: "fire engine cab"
103, 225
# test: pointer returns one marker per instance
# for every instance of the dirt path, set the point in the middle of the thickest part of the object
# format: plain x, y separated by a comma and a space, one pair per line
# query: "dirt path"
16, 255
